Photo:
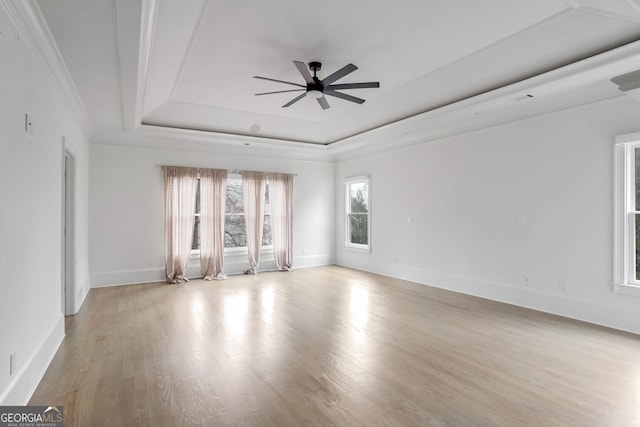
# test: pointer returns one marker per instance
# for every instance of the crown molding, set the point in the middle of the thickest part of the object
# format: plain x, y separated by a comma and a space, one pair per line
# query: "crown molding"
635, 4
602, 10
147, 29
135, 20
597, 68
158, 137
30, 23
403, 133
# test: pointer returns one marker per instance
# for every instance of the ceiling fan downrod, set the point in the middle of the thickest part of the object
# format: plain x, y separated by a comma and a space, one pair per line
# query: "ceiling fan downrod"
316, 89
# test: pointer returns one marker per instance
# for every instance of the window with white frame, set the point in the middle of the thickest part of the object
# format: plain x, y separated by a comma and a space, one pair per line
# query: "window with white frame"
627, 215
358, 224
235, 235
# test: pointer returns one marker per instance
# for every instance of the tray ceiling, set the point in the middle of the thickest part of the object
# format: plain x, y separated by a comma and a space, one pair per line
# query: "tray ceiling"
190, 65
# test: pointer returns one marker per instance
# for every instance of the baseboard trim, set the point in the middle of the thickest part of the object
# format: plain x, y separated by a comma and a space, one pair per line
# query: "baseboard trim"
313, 261
30, 374
127, 277
560, 304
231, 268
80, 299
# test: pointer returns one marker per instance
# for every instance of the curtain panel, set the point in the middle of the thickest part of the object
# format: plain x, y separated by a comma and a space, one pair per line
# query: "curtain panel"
253, 189
281, 201
213, 192
180, 186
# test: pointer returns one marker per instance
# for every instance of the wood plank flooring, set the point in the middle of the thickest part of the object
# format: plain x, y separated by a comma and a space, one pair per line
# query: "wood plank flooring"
333, 346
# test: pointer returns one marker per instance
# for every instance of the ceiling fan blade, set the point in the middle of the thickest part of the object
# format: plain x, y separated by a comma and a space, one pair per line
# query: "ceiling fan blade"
294, 100
278, 81
344, 96
347, 69
363, 85
279, 91
323, 103
302, 67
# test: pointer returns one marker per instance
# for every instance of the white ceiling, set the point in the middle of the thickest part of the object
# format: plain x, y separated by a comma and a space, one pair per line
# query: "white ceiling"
444, 66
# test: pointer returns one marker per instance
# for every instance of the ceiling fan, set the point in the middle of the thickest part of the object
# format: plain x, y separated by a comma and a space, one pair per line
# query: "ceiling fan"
316, 88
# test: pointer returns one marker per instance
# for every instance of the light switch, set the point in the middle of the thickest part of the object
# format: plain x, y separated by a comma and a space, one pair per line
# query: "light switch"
28, 125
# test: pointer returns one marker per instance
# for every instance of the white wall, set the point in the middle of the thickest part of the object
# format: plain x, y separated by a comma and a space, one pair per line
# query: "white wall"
31, 320
126, 209
465, 193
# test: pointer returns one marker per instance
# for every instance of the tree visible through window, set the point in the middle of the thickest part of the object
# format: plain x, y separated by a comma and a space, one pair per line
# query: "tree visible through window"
358, 213
195, 241
235, 235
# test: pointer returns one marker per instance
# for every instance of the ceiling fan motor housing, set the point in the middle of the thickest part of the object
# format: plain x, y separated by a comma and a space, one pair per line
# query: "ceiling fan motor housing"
317, 88
317, 85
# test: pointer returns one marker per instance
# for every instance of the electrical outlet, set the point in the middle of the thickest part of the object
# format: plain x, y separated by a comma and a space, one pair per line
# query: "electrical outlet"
12, 363
526, 279
563, 285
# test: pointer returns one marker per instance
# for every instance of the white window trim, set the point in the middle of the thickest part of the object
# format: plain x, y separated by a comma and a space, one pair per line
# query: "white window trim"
624, 282
355, 246
242, 250
230, 252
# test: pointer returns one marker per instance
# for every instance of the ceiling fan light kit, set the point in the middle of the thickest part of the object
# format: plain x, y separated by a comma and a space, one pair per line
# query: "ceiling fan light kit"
313, 93
317, 89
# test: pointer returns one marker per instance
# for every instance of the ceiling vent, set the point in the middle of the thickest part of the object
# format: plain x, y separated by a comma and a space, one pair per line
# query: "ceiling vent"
523, 97
629, 83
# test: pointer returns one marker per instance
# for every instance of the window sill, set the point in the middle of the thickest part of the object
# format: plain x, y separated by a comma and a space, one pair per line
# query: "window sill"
358, 248
234, 252
626, 289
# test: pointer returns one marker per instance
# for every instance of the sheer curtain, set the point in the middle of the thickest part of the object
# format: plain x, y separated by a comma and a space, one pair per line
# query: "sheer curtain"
253, 189
280, 199
180, 186
213, 192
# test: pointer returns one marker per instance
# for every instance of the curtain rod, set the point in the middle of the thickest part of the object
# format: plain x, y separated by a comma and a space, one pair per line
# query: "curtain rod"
234, 171
239, 171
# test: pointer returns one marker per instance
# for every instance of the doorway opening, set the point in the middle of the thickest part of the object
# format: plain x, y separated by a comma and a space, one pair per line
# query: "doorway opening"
68, 231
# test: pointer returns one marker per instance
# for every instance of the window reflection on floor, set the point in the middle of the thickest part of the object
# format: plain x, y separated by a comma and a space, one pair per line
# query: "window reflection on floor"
637, 420
236, 307
359, 313
267, 298
198, 318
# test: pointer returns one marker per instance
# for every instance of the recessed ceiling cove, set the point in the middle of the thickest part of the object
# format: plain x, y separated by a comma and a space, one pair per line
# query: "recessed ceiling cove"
197, 69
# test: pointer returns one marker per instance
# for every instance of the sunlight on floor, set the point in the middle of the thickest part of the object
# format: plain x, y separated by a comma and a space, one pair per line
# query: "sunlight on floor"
236, 307
359, 313
267, 299
198, 315
637, 415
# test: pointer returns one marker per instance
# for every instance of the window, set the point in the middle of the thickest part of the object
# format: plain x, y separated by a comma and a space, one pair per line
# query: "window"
635, 218
627, 215
195, 242
235, 235
357, 213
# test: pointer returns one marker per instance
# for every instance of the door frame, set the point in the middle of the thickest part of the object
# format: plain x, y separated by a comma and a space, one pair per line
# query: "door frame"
68, 282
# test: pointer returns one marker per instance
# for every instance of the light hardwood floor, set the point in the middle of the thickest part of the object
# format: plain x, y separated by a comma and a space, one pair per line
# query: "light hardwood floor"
333, 346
